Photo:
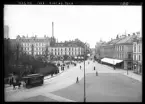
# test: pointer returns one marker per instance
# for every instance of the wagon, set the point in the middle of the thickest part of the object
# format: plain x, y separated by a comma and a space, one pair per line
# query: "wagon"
33, 80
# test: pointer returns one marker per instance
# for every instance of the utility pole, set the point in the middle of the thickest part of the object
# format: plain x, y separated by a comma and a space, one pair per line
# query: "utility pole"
128, 57
84, 79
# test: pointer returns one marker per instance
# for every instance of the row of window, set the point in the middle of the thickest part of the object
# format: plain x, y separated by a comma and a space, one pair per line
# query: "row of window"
137, 58
120, 56
119, 48
35, 44
40, 48
69, 53
135, 48
43, 49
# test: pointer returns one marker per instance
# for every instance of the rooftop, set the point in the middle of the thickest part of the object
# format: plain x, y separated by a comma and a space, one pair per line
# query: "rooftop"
128, 39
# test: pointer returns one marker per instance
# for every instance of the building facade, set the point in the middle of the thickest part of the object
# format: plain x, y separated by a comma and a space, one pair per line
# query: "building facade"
120, 48
33, 45
41, 46
137, 55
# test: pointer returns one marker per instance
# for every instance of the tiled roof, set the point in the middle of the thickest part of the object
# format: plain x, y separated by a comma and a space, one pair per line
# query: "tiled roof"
35, 40
128, 39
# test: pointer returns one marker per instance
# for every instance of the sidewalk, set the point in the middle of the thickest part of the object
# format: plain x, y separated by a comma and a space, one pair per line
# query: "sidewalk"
130, 74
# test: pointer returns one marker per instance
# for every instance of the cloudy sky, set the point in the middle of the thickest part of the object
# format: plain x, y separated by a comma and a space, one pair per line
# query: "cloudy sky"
87, 23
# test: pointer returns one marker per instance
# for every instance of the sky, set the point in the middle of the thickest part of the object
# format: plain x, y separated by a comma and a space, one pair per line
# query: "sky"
87, 23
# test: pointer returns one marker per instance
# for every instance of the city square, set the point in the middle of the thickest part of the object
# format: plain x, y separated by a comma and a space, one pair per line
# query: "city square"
58, 55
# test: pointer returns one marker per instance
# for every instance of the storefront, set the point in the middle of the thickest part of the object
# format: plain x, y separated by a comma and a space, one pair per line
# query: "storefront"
137, 67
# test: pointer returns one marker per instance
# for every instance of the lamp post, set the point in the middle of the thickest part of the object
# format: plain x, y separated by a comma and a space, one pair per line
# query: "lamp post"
84, 78
127, 70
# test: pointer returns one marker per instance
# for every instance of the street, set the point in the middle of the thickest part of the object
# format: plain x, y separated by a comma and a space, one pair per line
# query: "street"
108, 85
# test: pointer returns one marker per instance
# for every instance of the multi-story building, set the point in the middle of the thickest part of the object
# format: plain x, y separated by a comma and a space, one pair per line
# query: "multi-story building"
124, 51
70, 49
38, 46
137, 55
120, 48
33, 45
98, 49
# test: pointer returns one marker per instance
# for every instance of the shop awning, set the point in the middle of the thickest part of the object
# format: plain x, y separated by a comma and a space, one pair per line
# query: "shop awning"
111, 61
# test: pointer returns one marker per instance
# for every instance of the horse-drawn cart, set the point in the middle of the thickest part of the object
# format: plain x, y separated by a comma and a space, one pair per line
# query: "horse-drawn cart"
33, 80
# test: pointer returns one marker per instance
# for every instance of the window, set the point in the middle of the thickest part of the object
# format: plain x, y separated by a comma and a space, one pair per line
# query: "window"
139, 57
139, 49
134, 47
134, 57
129, 56
122, 48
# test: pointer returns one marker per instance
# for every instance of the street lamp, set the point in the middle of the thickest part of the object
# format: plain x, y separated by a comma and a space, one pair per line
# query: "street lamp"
84, 78
127, 70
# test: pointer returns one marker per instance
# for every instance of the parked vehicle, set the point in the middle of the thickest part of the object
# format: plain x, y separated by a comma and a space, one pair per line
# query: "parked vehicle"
33, 80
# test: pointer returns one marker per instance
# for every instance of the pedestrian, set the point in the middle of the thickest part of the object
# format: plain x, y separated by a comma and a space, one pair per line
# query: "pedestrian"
77, 81
96, 73
80, 67
114, 67
88, 62
94, 67
63, 68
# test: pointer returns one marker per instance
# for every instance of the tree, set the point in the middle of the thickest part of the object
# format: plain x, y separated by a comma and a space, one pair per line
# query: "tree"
65, 57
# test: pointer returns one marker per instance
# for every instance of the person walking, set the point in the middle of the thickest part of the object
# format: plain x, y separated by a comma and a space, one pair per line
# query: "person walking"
77, 81
80, 67
114, 67
94, 67
96, 73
